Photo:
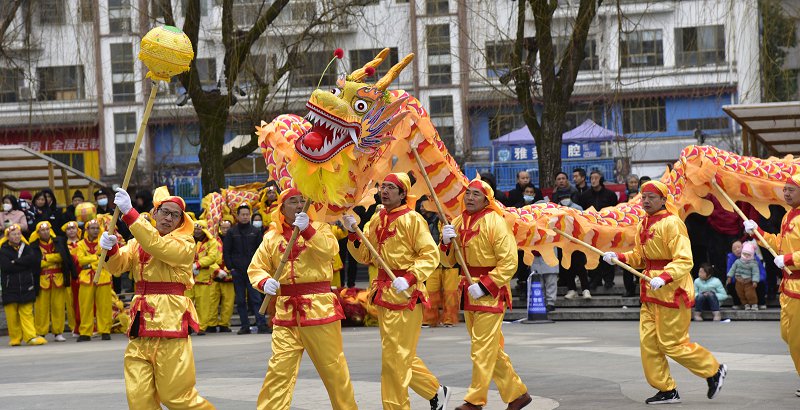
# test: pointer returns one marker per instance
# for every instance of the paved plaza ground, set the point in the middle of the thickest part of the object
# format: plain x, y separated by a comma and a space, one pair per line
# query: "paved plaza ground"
567, 365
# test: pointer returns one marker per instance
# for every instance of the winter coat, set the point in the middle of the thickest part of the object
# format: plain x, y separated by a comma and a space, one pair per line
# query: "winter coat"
19, 273
239, 246
14, 216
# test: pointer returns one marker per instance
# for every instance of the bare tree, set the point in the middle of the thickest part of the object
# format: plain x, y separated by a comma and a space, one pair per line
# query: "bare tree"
8, 13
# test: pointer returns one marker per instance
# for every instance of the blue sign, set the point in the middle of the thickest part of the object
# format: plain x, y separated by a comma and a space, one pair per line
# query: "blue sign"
536, 302
527, 152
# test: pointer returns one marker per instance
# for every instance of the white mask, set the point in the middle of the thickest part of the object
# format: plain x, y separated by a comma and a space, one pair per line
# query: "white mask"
7, 207
102, 202
258, 224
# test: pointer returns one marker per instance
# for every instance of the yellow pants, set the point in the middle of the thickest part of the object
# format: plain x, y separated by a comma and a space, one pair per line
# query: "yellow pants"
336, 280
489, 361
220, 299
95, 298
73, 325
189, 293
664, 332
202, 304
790, 327
324, 346
442, 293
160, 370
50, 308
400, 366
20, 322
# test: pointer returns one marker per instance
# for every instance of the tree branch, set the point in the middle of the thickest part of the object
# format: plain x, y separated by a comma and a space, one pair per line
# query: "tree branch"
237, 53
576, 51
543, 19
7, 20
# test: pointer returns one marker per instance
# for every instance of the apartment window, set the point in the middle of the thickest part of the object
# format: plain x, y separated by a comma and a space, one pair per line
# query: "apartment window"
52, 11
360, 57
498, 58
75, 160
716, 123
87, 11
123, 87
590, 60
253, 70
207, 72
441, 112
304, 11
119, 16
185, 140
438, 45
502, 123
646, 115
578, 113
10, 82
203, 7
60, 83
697, 46
437, 7
246, 12
124, 136
311, 64
642, 49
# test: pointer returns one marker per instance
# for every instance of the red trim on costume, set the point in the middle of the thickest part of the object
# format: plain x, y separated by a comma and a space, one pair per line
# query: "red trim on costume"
352, 237
410, 278
337, 315
130, 217
678, 296
622, 258
445, 248
177, 201
788, 260
489, 284
159, 288
261, 284
308, 232
113, 251
667, 277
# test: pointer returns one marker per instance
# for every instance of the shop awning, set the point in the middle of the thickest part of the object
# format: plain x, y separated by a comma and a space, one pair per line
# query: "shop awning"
23, 169
775, 125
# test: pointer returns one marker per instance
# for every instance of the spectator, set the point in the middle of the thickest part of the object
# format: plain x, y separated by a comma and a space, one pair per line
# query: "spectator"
516, 197
549, 279
101, 200
77, 199
143, 201
104, 207
258, 222
709, 293
579, 179
631, 187
11, 214
238, 247
523, 269
644, 179
745, 270
26, 207
599, 197
45, 209
564, 193
19, 273
761, 288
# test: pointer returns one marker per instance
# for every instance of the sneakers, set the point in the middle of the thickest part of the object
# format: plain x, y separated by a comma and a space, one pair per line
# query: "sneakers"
105, 336
587, 294
746, 307
520, 402
60, 338
201, 333
717, 316
698, 317
737, 307
762, 307
439, 401
245, 330
715, 382
264, 330
83, 338
425, 325
211, 329
571, 294
796, 393
447, 325
224, 329
37, 341
665, 397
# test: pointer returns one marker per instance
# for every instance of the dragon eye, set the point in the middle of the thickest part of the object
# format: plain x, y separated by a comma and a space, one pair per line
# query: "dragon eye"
360, 106
336, 91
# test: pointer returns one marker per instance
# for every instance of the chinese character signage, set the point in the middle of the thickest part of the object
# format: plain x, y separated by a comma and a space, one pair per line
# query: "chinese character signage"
528, 152
64, 141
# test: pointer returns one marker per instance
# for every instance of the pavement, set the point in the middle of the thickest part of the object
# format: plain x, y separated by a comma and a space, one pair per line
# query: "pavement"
566, 365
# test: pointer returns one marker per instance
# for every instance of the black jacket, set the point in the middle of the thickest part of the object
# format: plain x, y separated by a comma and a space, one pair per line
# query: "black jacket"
67, 265
49, 214
598, 199
516, 197
239, 246
19, 273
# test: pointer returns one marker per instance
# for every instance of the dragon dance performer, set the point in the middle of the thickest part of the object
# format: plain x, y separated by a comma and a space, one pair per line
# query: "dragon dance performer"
54, 279
73, 233
207, 259
401, 237
662, 248
787, 246
443, 289
159, 362
308, 315
93, 298
491, 257
222, 291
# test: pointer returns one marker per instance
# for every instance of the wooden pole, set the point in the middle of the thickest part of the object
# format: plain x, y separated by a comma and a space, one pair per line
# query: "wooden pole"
617, 262
442, 216
131, 165
284, 258
65, 186
51, 177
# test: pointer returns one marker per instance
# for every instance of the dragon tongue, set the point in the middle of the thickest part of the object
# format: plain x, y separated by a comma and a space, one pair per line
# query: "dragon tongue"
313, 140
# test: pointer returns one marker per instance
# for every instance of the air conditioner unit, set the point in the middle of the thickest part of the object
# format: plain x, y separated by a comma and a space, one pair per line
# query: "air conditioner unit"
24, 93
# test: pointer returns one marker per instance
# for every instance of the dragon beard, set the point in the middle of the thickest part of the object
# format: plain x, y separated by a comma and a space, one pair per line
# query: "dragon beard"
324, 185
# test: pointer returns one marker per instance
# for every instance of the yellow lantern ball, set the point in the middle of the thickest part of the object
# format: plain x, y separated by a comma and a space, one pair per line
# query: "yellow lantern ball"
166, 51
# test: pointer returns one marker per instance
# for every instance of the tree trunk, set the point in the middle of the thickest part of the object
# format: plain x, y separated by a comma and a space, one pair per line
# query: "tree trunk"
548, 145
213, 117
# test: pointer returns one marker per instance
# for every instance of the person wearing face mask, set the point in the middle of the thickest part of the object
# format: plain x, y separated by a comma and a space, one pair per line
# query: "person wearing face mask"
57, 270
105, 207
516, 196
206, 262
19, 273
258, 221
11, 214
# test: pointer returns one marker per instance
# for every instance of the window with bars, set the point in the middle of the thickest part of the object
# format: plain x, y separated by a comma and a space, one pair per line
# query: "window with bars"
87, 11
119, 16
253, 70
246, 12
123, 86
10, 81
440, 108
591, 61
715, 123
203, 7
124, 136
52, 12
578, 113
498, 58
60, 83
502, 123
438, 47
437, 7
75, 160
360, 57
697, 46
643, 48
309, 72
207, 72
645, 115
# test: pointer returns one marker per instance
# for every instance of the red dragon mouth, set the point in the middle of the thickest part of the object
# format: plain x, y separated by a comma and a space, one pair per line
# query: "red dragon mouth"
327, 137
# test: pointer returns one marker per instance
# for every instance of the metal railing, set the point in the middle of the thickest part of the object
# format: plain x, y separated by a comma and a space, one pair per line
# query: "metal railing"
506, 172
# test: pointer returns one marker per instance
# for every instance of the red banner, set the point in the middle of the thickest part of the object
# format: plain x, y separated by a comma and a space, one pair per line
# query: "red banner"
60, 140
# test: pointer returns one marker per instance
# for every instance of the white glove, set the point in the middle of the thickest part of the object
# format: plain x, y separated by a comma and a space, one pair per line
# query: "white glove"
400, 284
222, 274
349, 222
609, 257
108, 241
301, 221
656, 283
122, 200
779, 262
475, 291
271, 286
195, 271
750, 226
448, 233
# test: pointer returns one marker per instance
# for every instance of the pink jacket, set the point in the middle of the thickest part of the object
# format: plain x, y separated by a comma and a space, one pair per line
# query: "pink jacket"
14, 217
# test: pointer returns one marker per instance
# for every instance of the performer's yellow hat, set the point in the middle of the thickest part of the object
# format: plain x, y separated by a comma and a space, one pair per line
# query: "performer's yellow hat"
276, 216
794, 180
72, 223
482, 186
43, 224
402, 181
85, 212
203, 225
659, 188
90, 223
162, 195
7, 232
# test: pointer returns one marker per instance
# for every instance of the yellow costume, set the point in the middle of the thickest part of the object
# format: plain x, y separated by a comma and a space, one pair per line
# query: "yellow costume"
308, 315
336, 281
222, 295
159, 362
93, 298
403, 240
50, 305
491, 256
443, 292
207, 260
663, 249
73, 318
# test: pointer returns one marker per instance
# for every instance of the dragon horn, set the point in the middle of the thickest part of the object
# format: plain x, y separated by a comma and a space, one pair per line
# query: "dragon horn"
384, 82
361, 73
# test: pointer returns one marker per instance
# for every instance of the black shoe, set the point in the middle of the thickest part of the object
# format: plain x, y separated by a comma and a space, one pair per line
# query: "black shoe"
264, 330
439, 401
105, 336
82, 338
211, 329
201, 333
224, 329
244, 330
551, 308
609, 285
665, 397
715, 382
